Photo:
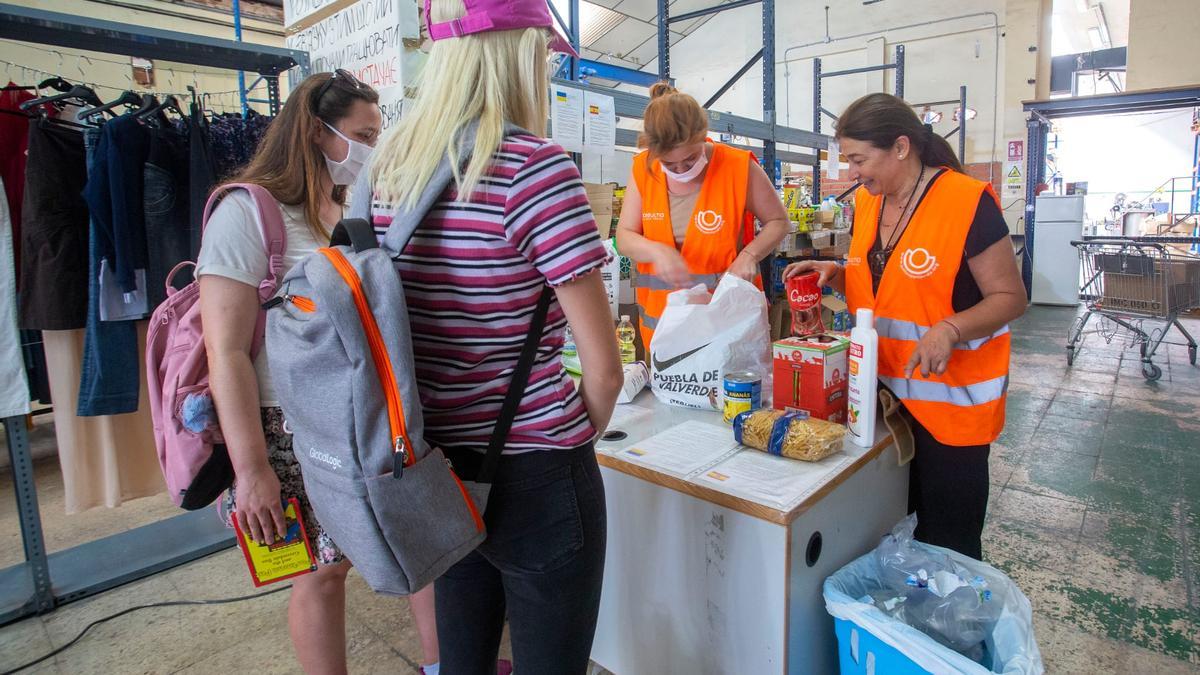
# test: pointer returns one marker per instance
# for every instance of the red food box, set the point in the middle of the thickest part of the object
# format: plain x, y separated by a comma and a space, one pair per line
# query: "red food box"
810, 375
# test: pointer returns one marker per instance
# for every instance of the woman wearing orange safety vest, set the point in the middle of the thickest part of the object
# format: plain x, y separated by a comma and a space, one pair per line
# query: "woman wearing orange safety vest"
689, 207
930, 254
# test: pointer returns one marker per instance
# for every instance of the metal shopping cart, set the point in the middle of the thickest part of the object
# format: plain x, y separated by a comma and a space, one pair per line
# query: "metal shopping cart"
1139, 285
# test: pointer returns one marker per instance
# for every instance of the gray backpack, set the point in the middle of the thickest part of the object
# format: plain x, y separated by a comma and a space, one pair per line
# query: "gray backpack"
340, 354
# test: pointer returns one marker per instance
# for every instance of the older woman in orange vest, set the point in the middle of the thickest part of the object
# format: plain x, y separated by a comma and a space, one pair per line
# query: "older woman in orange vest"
689, 207
930, 254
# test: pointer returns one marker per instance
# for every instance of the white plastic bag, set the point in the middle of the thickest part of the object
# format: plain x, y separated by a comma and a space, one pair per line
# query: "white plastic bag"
1008, 638
700, 337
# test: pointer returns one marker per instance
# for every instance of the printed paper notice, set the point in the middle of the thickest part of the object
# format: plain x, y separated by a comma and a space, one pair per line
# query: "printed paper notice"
1014, 180
600, 124
762, 477
567, 114
684, 449
833, 168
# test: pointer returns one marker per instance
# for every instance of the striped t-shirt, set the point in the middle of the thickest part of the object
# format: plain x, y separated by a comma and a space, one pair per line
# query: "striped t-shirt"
473, 272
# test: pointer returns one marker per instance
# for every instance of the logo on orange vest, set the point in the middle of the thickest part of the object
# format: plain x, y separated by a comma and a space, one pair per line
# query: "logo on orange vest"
654, 216
918, 263
709, 222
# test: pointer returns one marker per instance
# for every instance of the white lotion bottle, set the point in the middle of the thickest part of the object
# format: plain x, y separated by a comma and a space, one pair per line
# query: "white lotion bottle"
864, 379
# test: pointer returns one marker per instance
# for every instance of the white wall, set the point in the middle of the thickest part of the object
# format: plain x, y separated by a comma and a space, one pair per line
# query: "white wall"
939, 58
1162, 43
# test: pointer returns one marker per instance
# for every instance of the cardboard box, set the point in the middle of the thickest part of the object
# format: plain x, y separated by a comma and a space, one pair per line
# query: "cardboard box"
600, 196
810, 375
1145, 285
825, 217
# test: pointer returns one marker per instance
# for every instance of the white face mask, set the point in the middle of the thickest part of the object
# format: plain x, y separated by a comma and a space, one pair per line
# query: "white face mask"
691, 174
346, 171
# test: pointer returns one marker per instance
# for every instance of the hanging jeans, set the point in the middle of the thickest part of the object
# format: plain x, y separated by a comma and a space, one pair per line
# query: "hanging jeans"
108, 382
166, 208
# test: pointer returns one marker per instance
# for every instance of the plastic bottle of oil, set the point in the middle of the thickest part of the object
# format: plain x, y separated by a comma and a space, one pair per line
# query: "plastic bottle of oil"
864, 382
625, 338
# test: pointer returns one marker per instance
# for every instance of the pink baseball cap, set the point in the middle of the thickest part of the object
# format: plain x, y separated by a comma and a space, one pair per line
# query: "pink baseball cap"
489, 15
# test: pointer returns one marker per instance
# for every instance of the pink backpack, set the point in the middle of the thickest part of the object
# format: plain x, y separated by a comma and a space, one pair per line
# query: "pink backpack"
191, 449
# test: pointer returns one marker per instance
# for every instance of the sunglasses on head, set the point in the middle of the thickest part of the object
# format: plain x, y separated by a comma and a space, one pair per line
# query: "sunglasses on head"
342, 74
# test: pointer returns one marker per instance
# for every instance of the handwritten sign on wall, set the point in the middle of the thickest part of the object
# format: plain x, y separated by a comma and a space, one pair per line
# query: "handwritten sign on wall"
368, 38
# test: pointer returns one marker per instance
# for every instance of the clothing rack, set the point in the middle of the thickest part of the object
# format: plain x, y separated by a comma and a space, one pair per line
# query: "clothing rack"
45, 581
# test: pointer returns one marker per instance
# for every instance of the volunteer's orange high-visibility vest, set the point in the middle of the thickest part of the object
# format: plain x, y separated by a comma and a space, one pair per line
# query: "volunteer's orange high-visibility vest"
965, 405
711, 242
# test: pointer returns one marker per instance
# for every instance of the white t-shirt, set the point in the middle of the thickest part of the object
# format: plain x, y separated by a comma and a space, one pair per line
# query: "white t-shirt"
233, 248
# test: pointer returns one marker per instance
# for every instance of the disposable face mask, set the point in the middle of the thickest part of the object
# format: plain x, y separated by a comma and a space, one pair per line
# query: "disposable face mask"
346, 171
691, 174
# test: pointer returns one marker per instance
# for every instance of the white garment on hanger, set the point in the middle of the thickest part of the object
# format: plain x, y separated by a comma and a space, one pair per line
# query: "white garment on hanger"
14, 387
118, 306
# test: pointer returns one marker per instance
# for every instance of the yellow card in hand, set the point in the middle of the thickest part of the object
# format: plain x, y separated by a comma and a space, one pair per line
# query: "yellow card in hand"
284, 559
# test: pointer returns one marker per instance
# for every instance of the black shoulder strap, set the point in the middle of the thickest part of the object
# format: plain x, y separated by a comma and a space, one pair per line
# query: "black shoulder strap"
516, 388
356, 232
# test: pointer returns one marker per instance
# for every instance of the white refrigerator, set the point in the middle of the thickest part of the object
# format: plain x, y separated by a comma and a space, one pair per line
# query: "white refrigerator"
1057, 222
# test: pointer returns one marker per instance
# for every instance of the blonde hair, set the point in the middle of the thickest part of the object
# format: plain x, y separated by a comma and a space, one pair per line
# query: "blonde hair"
672, 119
495, 77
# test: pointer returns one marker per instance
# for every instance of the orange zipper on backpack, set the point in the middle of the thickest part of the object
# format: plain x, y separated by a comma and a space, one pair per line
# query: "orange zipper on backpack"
385, 372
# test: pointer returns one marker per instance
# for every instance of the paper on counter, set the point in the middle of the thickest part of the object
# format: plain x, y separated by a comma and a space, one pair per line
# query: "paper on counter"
763, 477
684, 449
625, 415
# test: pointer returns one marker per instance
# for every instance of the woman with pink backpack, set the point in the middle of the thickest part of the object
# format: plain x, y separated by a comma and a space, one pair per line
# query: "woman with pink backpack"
314, 149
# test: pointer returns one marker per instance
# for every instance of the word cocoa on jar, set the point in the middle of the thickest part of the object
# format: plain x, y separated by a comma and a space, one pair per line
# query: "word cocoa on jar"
804, 298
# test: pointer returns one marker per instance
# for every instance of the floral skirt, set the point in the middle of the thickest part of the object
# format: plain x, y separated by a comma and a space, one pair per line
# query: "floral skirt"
283, 461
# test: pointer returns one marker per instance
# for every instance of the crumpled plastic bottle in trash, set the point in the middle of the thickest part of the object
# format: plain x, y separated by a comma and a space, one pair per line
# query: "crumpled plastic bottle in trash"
931, 592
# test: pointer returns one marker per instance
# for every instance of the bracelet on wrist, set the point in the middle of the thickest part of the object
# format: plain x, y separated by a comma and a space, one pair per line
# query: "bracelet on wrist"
957, 331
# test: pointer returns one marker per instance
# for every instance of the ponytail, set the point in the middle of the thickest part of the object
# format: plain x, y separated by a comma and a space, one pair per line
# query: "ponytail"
672, 119
937, 151
880, 119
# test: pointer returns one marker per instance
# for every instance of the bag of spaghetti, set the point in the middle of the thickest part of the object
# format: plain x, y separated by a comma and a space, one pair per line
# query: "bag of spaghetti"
788, 434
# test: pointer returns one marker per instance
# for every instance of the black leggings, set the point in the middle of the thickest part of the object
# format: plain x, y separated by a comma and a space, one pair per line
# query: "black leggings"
948, 490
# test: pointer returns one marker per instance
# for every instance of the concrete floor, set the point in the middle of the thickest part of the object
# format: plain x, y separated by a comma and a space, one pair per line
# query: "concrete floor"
1095, 513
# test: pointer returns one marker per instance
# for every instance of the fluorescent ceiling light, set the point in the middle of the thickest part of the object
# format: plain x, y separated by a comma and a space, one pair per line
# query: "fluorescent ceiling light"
1084, 6
971, 113
1095, 38
931, 116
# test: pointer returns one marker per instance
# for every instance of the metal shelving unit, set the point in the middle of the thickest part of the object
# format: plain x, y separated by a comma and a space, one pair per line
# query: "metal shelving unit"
1041, 115
45, 581
633, 105
818, 109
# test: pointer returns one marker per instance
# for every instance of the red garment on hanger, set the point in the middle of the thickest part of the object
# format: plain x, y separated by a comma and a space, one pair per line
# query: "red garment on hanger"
14, 142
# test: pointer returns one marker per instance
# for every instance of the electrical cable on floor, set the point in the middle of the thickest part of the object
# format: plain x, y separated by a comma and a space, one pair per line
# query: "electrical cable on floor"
172, 603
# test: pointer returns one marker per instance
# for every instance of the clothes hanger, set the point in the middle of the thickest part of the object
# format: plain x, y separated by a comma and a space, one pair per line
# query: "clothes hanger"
127, 98
78, 93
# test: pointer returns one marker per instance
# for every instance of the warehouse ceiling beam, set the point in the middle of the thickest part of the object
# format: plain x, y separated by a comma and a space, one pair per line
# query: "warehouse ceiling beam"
1127, 102
711, 10
608, 71
27, 24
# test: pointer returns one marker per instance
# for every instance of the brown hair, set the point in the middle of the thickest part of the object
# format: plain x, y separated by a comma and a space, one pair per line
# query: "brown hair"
288, 162
671, 119
880, 119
